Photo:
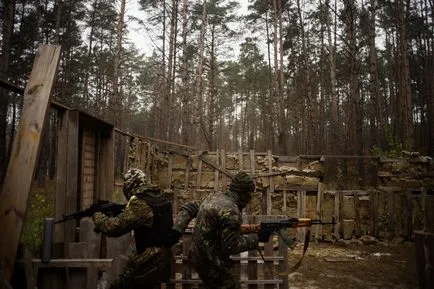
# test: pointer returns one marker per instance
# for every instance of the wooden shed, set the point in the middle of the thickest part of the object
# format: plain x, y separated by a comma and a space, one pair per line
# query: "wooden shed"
84, 170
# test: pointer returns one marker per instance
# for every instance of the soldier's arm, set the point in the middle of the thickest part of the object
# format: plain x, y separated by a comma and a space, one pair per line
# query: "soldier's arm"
233, 242
136, 213
186, 213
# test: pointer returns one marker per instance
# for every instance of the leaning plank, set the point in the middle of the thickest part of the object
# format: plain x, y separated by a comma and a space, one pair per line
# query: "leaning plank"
215, 166
25, 151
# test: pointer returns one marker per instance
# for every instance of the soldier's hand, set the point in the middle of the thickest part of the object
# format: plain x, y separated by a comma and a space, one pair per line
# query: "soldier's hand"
174, 236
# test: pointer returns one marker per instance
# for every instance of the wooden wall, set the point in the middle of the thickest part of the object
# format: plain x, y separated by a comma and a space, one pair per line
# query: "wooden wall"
381, 197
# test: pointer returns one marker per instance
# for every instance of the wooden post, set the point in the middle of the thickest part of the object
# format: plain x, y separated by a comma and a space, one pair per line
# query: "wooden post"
337, 216
356, 215
71, 176
424, 208
169, 183
25, 153
341, 215
409, 196
223, 165
240, 160
252, 174
391, 213
199, 172
216, 174
271, 187
373, 201
187, 172
284, 201
301, 204
252, 265
318, 211
283, 265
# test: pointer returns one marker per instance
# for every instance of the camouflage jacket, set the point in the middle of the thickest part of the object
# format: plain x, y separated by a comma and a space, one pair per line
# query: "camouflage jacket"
217, 233
136, 214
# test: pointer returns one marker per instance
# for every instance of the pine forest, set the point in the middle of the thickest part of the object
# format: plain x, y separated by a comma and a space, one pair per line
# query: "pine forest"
348, 77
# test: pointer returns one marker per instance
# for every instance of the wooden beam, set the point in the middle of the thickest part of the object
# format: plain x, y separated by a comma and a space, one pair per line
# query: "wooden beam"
215, 166
25, 152
10, 86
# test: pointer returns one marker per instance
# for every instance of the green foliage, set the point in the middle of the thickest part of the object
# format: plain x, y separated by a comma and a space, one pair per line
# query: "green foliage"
40, 206
394, 146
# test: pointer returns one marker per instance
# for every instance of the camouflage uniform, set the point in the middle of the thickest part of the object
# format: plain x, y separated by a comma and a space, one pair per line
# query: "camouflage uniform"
149, 265
217, 233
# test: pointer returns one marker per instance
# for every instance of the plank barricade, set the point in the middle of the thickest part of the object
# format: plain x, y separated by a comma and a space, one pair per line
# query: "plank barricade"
271, 271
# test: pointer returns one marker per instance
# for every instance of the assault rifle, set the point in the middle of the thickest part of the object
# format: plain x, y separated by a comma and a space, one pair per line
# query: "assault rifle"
104, 207
275, 226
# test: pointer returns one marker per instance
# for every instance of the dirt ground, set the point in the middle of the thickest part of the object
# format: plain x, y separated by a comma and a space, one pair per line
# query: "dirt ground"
354, 265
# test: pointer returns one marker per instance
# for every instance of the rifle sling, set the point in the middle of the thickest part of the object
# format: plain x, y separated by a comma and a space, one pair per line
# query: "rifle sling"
296, 265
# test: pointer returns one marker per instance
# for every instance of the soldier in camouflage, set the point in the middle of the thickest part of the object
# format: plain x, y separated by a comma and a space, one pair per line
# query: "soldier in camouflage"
149, 215
217, 233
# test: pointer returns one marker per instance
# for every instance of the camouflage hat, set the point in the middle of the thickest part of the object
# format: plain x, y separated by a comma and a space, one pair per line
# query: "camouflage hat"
134, 179
242, 183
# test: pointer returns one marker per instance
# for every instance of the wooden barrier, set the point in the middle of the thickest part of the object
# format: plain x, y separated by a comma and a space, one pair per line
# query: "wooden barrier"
253, 270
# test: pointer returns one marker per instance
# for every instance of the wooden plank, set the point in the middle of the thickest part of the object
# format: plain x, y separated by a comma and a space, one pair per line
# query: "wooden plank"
87, 183
28, 269
284, 196
356, 215
169, 183
268, 252
61, 166
252, 265
283, 265
71, 175
223, 165
240, 160
271, 187
391, 214
424, 209
72, 263
318, 212
409, 196
198, 176
336, 227
375, 208
149, 159
186, 272
216, 171
187, 172
25, 153
341, 215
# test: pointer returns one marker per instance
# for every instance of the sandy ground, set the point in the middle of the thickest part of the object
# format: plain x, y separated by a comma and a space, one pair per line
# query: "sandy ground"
354, 265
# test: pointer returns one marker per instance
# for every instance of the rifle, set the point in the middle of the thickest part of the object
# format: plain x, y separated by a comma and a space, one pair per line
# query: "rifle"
275, 226
104, 207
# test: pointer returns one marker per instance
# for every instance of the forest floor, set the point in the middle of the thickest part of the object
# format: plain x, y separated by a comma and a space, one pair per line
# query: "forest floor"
354, 265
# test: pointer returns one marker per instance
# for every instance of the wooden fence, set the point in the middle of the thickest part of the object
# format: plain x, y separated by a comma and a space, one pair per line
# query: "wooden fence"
83, 271
254, 272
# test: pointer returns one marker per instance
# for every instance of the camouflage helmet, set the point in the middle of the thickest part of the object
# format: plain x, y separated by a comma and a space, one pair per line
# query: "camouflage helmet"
134, 181
242, 183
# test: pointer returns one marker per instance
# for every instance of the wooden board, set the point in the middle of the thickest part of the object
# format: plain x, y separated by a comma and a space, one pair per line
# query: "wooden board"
25, 152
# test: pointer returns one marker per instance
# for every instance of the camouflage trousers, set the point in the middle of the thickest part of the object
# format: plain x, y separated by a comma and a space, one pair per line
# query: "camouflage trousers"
145, 271
225, 276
